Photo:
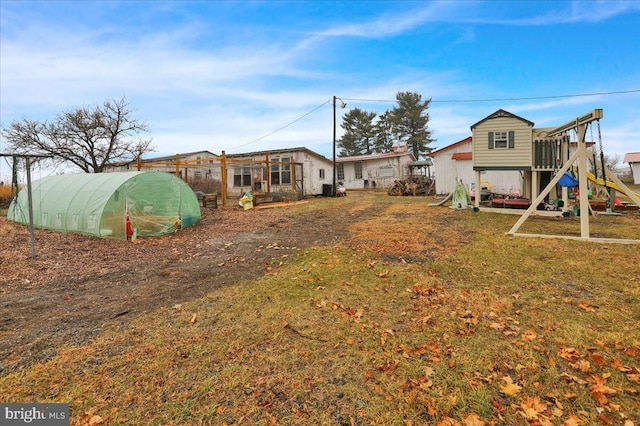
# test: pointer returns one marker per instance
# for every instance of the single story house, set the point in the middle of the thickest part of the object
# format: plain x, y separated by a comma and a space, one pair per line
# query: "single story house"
279, 170
374, 170
633, 158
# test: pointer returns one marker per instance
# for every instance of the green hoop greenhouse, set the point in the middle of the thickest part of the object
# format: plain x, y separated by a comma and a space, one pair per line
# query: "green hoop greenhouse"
118, 205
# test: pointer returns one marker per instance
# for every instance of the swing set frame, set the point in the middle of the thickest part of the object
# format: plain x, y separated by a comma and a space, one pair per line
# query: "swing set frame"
579, 125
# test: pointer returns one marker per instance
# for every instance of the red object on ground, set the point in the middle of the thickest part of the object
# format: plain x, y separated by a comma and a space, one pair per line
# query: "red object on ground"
514, 203
129, 229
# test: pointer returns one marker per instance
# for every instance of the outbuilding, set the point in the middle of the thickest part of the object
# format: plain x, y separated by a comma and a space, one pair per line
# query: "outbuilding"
120, 205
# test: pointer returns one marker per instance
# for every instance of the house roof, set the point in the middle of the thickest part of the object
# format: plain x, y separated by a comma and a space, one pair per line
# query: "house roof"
632, 157
277, 152
453, 145
172, 157
502, 113
374, 156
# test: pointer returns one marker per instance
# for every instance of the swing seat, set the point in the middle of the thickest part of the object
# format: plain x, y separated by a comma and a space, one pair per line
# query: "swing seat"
568, 180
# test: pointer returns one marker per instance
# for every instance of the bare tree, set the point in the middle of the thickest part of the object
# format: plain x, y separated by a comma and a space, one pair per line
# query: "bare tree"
91, 139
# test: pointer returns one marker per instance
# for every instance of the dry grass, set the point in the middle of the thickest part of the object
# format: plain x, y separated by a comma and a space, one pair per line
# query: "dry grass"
424, 316
5, 196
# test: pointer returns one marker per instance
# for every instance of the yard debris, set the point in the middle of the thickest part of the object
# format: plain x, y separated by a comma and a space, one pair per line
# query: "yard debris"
413, 185
246, 202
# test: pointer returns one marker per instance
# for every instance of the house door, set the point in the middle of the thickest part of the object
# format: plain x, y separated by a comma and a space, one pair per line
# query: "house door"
299, 175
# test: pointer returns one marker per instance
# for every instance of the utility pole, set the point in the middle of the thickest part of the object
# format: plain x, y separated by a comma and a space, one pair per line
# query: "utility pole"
342, 105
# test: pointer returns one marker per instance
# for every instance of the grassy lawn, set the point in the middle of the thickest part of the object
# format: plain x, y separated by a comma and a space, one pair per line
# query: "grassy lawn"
422, 316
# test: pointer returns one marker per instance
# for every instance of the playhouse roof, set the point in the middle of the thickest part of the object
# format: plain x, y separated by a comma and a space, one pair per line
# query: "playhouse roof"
119, 205
502, 113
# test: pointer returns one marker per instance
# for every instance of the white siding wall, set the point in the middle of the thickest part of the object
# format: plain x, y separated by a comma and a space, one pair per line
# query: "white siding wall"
635, 170
378, 173
311, 169
504, 181
448, 171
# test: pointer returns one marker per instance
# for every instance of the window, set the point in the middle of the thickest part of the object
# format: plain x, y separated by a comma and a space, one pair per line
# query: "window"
280, 173
321, 173
340, 171
242, 176
275, 173
502, 140
285, 173
358, 169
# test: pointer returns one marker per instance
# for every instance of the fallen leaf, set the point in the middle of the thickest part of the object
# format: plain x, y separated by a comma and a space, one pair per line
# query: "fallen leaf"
193, 319
510, 388
448, 421
582, 365
598, 359
473, 420
587, 307
573, 420
569, 378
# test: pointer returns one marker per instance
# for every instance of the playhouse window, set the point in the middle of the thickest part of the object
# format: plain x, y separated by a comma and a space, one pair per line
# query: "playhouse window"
502, 140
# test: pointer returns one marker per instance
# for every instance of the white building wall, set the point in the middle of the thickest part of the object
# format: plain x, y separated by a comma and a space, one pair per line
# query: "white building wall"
313, 182
449, 171
379, 173
635, 171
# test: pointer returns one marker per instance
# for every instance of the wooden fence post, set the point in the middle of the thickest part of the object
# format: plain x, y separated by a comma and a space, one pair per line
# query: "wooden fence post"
223, 175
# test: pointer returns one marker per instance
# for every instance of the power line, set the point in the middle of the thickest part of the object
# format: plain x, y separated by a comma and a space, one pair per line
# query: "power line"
528, 98
442, 101
283, 127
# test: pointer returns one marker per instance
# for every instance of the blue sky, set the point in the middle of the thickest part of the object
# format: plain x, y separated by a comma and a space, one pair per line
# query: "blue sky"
226, 75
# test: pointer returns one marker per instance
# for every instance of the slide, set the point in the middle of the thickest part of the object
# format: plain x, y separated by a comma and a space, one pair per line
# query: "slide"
441, 202
634, 196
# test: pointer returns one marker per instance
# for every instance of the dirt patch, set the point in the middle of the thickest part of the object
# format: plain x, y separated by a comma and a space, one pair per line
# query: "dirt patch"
78, 285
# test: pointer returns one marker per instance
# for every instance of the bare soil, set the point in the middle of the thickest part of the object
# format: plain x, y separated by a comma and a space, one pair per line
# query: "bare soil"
78, 285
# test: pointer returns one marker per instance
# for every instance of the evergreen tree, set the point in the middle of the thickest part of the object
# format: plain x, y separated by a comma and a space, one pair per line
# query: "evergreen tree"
358, 134
384, 136
410, 121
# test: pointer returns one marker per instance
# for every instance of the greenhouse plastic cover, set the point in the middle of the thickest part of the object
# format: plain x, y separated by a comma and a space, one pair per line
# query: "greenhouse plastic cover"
104, 204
